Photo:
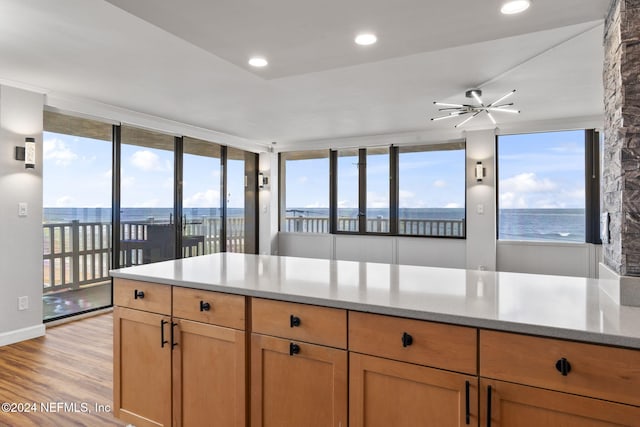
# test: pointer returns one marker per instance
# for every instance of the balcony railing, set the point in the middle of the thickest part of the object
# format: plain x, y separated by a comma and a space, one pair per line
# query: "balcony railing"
411, 227
78, 254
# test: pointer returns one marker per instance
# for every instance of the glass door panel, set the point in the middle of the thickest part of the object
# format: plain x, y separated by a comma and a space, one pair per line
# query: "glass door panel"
147, 223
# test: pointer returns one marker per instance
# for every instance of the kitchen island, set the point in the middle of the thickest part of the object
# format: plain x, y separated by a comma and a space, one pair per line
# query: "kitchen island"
321, 342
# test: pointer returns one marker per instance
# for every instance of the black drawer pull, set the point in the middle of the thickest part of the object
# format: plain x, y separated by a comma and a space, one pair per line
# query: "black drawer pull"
467, 412
407, 339
293, 349
563, 366
173, 341
205, 306
138, 294
294, 321
162, 340
488, 406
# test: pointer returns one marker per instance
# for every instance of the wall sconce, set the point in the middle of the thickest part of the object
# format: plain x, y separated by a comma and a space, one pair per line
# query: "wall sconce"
263, 180
480, 172
27, 153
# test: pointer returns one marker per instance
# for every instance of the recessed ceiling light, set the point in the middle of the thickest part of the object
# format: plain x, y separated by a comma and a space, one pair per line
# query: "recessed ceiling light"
366, 39
514, 6
258, 61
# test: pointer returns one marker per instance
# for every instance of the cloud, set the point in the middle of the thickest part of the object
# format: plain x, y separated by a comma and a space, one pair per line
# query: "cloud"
56, 150
440, 183
377, 200
316, 205
147, 161
64, 201
510, 200
203, 199
527, 183
453, 205
346, 204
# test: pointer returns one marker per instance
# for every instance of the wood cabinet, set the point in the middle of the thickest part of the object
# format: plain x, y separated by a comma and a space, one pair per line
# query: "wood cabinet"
504, 404
296, 382
531, 381
142, 367
188, 369
209, 362
385, 392
414, 388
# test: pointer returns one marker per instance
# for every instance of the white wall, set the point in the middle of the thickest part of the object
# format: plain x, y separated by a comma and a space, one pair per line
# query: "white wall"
20, 237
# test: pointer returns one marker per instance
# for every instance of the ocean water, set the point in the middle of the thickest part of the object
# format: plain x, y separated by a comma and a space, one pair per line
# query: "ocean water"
565, 225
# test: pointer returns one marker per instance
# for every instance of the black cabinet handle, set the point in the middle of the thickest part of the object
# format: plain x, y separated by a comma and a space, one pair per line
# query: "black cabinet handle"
407, 339
173, 342
467, 412
294, 321
488, 406
138, 294
204, 306
162, 340
293, 349
563, 366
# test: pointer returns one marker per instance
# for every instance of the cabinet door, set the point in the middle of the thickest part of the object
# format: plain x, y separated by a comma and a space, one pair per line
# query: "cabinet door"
208, 375
297, 386
142, 367
505, 404
386, 393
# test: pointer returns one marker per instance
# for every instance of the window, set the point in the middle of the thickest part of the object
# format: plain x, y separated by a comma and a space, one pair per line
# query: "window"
306, 191
415, 190
348, 191
77, 215
378, 174
541, 186
147, 231
432, 190
201, 200
241, 203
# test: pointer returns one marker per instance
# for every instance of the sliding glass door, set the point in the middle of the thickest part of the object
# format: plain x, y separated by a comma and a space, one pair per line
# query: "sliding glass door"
77, 215
147, 213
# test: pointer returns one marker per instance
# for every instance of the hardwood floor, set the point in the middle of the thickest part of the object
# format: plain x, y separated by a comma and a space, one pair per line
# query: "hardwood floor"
62, 379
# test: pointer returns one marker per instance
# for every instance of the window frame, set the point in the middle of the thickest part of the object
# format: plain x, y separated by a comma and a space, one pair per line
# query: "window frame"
394, 191
591, 187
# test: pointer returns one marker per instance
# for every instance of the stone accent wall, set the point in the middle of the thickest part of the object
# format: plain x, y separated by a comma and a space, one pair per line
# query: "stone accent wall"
621, 171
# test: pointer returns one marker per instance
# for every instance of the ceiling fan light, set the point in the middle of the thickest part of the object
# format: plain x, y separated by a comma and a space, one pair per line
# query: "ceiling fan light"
504, 97
466, 120
512, 7
491, 118
476, 97
444, 104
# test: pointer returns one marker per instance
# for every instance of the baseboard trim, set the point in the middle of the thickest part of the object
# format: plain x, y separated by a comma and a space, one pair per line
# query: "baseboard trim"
23, 334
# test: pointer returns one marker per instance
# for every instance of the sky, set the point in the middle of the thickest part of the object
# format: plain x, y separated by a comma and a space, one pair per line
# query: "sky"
543, 170
77, 173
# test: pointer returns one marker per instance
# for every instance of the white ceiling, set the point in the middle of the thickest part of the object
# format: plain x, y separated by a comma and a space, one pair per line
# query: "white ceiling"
186, 61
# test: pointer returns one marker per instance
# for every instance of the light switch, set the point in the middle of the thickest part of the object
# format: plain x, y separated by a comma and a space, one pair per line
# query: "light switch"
480, 209
22, 209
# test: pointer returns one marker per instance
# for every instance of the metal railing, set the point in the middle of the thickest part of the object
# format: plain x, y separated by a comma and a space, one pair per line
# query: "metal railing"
411, 227
77, 254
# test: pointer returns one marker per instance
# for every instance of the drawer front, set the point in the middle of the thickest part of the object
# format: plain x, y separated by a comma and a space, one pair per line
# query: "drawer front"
310, 323
145, 296
591, 370
425, 343
209, 307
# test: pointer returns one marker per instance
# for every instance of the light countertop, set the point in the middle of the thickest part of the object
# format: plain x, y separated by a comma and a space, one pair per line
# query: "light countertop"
554, 306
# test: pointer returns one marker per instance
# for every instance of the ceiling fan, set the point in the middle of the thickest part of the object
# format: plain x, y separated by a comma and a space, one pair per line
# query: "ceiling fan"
459, 110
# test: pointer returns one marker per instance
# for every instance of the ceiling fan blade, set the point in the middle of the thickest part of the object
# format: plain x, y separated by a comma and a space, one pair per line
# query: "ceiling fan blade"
502, 98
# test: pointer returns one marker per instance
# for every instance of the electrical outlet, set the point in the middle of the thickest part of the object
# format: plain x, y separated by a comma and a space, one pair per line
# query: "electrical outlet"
23, 303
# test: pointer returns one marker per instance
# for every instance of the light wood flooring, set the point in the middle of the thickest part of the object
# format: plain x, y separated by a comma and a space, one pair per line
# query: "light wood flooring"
68, 372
